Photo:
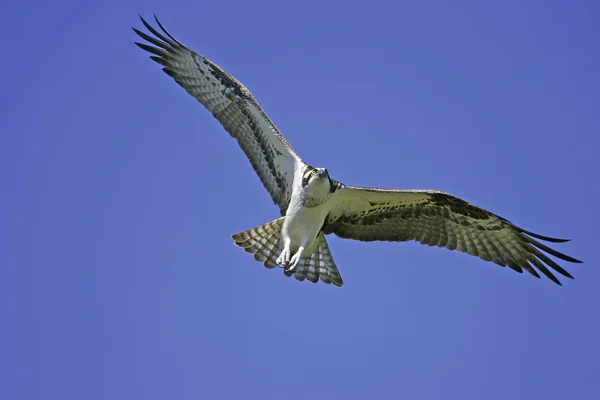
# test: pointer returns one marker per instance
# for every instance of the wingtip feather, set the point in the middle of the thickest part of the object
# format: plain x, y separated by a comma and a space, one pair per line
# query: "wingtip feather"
545, 238
165, 31
159, 35
150, 49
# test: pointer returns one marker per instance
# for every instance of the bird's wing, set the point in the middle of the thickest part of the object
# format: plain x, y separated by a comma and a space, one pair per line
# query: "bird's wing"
440, 219
233, 106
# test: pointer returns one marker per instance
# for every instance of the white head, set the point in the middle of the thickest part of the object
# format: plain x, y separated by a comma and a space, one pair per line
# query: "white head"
315, 176
316, 182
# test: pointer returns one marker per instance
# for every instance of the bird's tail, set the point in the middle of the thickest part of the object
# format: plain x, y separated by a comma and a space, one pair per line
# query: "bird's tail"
318, 264
264, 242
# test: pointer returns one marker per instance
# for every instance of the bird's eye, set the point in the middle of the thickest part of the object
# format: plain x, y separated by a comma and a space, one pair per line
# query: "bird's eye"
313, 172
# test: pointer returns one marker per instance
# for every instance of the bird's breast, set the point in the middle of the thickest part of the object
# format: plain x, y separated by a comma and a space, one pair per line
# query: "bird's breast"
303, 224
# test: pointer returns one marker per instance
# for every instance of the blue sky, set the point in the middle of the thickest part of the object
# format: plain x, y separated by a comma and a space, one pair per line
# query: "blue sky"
119, 279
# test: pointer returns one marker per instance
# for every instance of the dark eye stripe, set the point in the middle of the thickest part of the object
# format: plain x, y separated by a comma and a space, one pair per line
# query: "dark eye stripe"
307, 174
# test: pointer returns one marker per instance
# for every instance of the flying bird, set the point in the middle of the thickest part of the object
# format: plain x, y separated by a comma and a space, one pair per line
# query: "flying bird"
313, 204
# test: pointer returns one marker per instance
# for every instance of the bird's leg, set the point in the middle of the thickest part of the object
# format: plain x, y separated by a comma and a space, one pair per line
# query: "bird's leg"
295, 259
284, 257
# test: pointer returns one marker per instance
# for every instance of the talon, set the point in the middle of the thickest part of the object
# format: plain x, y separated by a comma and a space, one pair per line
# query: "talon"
289, 263
289, 268
294, 261
284, 258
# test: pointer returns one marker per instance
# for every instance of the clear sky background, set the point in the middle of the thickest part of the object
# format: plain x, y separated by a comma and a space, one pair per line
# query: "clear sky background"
118, 277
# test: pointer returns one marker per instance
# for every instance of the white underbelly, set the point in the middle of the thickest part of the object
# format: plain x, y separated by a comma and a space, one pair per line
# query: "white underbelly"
303, 227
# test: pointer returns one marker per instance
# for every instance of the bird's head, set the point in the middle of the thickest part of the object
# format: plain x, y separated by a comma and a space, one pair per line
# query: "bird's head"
316, 177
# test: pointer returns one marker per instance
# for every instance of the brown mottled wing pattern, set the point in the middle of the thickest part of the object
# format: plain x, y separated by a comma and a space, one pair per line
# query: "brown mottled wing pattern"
233, 106
440, 219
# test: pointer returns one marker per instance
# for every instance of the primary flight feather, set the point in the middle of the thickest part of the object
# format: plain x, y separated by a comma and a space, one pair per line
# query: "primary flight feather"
312, 204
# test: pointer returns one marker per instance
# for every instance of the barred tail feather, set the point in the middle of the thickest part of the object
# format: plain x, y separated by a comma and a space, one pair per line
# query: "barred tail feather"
262, 241
318, 264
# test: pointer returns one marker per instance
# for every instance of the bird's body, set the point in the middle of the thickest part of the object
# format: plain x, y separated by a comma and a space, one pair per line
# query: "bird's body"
313, 205
311, 202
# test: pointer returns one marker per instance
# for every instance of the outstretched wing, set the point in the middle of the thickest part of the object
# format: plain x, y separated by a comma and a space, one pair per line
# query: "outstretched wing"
440, 219
233, 106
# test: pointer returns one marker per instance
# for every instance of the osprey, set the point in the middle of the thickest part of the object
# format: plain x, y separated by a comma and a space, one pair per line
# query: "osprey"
313, 204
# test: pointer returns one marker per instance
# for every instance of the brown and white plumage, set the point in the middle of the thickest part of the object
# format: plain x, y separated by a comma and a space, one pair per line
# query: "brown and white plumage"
263, 241
233, 106
439, 219
312, 204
